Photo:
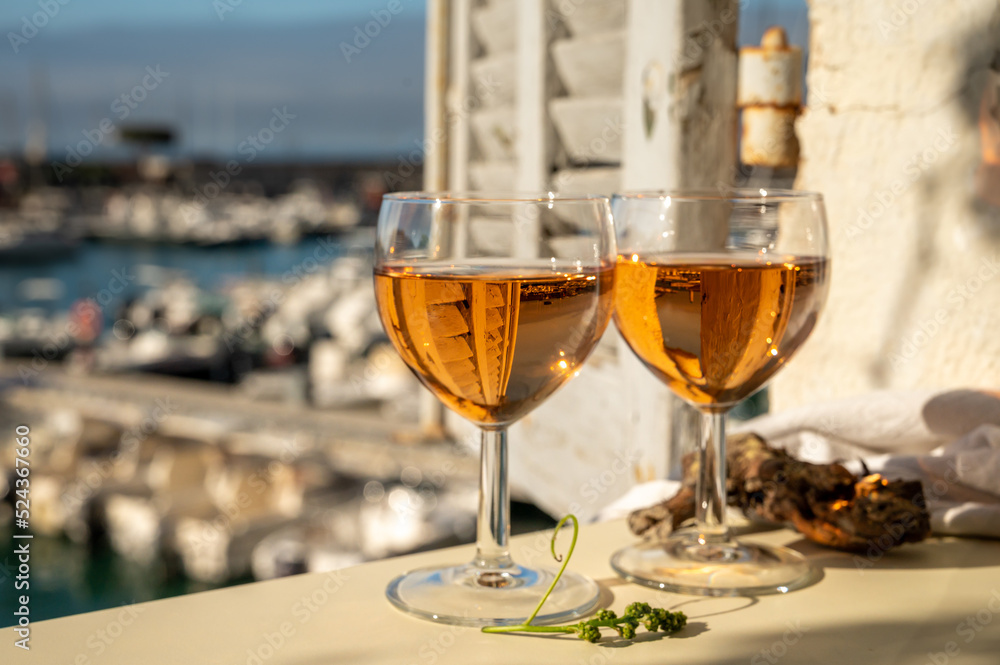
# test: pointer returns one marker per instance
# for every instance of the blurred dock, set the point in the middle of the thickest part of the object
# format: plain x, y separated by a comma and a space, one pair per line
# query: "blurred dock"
357, 441
217, 485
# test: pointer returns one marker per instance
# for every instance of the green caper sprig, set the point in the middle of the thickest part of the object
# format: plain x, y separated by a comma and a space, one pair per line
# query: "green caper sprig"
652, 618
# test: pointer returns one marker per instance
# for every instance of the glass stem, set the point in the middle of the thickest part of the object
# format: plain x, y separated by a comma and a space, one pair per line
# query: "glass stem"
710, 497
493, 523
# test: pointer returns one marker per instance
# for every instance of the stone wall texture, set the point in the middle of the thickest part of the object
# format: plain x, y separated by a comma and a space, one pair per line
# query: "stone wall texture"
892, 138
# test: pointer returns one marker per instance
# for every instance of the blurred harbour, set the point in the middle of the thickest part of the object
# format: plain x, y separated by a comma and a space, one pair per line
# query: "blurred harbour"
52, 283
211, 396
268, 445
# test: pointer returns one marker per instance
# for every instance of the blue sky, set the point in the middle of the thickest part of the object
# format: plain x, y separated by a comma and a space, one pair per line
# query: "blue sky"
228, 71
76, 14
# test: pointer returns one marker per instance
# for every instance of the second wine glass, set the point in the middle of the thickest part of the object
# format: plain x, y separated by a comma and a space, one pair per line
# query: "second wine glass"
714, 293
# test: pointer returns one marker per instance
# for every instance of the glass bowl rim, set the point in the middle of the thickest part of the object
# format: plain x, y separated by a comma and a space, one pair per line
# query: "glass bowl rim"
731, 194
459, 197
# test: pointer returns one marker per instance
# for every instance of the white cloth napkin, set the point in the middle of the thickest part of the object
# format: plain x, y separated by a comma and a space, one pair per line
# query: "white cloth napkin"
949, 440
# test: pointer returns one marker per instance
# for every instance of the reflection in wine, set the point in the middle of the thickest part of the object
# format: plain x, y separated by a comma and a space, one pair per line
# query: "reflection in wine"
715, 329
494, 345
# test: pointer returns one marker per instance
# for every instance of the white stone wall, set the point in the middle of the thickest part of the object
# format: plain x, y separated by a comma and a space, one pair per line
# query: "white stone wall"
891, 139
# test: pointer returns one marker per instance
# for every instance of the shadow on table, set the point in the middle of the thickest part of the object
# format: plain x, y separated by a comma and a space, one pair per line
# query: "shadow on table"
932, 553
864, 641
690, 605
692, 629
607, 595
707, 605
702, 607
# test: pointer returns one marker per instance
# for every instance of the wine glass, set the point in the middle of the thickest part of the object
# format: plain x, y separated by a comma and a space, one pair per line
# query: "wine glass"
494, 302
714, 292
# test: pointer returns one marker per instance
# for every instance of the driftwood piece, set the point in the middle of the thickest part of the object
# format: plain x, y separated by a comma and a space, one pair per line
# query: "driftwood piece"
825, 502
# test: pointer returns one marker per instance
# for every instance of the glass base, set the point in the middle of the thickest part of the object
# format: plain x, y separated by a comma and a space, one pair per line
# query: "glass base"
727, 568
471, 596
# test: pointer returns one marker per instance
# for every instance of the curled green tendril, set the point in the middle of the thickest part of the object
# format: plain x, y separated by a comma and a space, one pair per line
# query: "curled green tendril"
557, 557
590, 630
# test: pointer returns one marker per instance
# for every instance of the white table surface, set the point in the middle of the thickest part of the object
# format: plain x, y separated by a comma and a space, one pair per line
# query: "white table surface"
909, 607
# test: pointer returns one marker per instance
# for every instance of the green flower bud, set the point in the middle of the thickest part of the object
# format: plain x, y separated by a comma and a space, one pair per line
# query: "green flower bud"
637, 609
626, 631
